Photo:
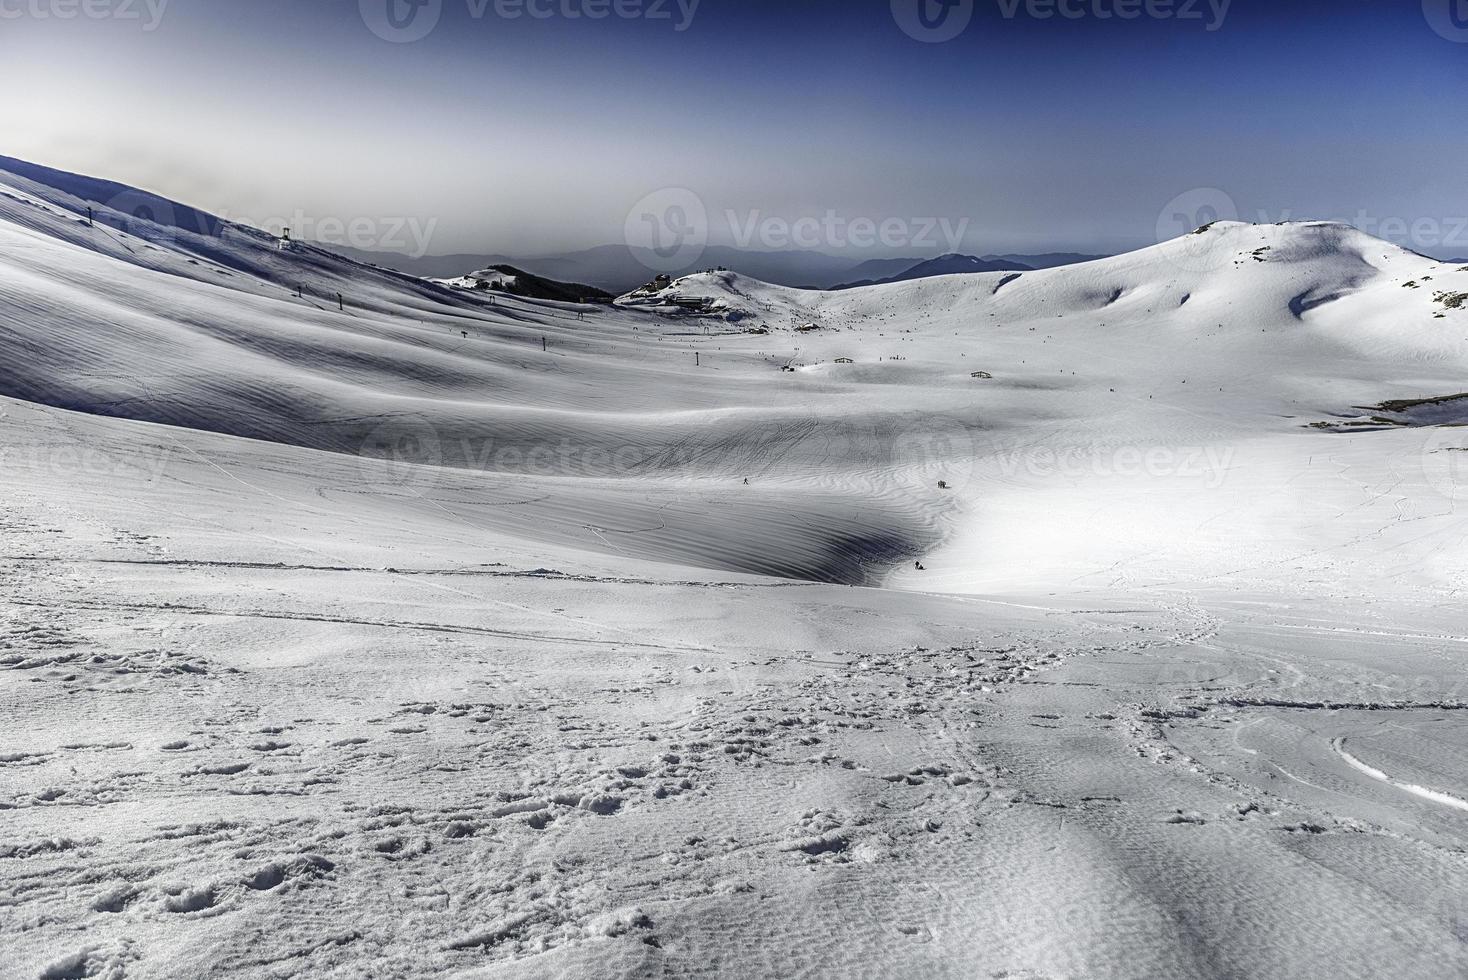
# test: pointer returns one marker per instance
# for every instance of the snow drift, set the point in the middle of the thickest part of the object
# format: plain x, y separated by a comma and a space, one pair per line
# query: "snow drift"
799, 433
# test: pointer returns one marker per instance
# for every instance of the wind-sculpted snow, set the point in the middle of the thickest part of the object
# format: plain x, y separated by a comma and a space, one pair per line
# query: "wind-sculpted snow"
424, 633
269, 714
1229, 341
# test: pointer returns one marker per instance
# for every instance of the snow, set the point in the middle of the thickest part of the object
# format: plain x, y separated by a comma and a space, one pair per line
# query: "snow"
419, 635
483, 279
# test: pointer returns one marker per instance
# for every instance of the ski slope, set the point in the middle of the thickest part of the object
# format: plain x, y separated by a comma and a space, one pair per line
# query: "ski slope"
1211, 355
356, 625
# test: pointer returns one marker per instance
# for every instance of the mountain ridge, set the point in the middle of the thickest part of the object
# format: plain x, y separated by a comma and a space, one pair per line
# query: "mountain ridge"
944, 265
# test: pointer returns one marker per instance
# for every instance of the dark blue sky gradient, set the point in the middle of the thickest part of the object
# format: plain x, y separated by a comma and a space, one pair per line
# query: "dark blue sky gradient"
535, 135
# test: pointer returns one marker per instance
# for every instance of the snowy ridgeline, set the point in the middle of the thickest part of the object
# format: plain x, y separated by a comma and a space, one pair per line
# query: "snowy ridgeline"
1060, 397
360, 625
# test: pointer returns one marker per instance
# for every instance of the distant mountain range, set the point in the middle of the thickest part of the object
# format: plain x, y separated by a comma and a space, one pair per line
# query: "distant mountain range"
1048, 260
618, 269
943, 265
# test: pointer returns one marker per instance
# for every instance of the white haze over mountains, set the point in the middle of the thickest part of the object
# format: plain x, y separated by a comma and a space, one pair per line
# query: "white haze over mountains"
619, 268
357, 625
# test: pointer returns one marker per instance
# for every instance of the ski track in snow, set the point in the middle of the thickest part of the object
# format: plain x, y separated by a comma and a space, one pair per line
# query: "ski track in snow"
1436, 796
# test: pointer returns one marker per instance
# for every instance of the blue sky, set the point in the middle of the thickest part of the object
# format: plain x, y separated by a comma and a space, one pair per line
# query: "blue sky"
506, 132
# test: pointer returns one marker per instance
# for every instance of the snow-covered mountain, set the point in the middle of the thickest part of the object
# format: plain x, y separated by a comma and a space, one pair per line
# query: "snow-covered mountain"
1234, 337
1067, 622
509, 279
618, 267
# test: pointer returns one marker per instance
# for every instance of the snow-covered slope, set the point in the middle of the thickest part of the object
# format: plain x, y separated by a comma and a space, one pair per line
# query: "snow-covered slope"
426, 633
1225, 341
509, 279
1151, 412
230, 333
